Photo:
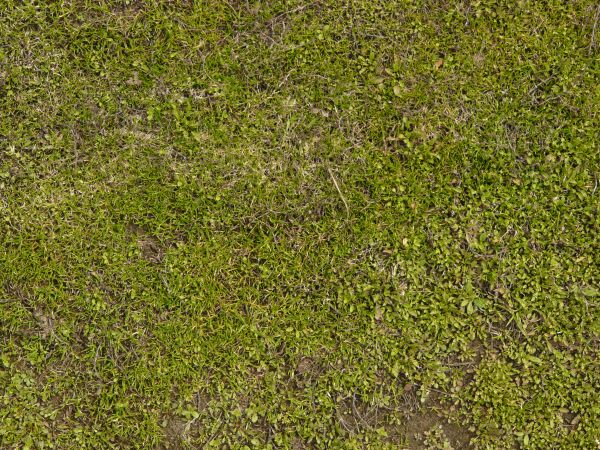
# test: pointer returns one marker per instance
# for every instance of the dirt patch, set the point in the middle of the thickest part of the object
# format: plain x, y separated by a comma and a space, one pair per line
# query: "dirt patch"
305, 365
149, 246
151, 251
426, 428
46, 323
298, 444
128, 9
175, 431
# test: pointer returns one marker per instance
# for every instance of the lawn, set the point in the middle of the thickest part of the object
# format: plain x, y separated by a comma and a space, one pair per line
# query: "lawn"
285, 224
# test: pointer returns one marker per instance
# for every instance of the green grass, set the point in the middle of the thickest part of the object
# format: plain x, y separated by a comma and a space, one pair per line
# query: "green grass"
292, 224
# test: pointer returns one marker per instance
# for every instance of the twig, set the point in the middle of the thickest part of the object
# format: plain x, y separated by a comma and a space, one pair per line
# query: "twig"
593, 40
291, 11
357, 413
339, 192
214, 435
343, 422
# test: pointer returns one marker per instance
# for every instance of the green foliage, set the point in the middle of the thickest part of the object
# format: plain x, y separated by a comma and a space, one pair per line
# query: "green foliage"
285, 224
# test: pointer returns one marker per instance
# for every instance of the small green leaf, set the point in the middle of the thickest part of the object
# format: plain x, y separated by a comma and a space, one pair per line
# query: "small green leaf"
480, 302
590, 291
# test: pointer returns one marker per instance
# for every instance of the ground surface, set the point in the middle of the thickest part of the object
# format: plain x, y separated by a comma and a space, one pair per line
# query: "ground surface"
294, 224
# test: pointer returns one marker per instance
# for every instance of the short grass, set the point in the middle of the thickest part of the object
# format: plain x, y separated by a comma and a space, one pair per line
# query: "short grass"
293, 224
